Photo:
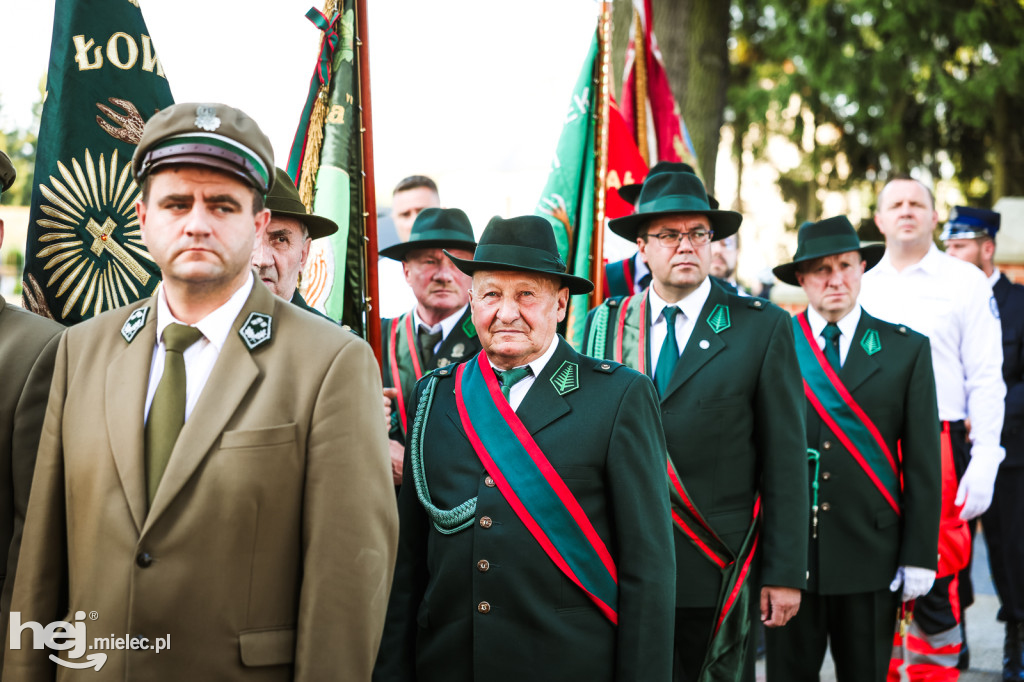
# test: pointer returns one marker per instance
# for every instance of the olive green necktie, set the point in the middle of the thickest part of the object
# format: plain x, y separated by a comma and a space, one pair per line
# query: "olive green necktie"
668, 358
511, 377
831, 335
167, 411
427, 341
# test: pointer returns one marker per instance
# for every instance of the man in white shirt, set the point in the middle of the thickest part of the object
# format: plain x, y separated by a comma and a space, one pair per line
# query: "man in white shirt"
950, 302
212, 475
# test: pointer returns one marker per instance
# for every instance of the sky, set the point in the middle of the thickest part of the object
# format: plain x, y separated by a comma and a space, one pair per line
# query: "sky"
470, 92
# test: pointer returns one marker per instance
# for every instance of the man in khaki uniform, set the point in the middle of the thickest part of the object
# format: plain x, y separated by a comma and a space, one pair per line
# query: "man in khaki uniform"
28, 344
256, 544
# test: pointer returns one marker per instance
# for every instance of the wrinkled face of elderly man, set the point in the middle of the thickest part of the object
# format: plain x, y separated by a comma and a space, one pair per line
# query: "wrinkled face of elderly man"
280, 253
516, 314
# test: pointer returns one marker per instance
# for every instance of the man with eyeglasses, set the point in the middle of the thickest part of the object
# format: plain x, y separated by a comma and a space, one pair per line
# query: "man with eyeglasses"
732, 406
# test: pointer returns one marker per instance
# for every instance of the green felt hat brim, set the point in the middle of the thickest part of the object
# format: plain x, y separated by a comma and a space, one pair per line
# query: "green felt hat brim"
520, 259
723, 223
318, 226
455, 240
870, 253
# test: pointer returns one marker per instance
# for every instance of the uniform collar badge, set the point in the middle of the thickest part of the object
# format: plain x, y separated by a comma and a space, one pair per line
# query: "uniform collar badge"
870, 342
566, 379
135, 322
256, 331
468, 328
719, 320
206, 118
458, 350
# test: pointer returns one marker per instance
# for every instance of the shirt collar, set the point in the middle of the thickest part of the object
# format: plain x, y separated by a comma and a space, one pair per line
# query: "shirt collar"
691, 305
847, 325
445, 326
929, 264
994, 277
217, 325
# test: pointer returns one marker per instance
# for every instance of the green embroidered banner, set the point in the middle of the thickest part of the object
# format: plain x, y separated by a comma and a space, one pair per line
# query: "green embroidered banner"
84, 252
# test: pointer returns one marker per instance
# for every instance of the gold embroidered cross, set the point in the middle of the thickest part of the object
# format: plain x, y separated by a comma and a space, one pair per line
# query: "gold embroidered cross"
104, 239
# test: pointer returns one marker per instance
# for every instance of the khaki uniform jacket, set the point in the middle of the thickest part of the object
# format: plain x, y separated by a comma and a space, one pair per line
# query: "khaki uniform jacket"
28, 346
269, 548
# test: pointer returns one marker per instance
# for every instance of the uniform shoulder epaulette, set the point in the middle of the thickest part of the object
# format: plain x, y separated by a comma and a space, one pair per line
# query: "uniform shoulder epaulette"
902, 329
606, 366
442, 372
613, 302
757, 303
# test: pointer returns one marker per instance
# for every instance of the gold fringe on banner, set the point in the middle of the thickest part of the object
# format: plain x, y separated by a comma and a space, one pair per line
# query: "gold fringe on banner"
640, 86
315, 129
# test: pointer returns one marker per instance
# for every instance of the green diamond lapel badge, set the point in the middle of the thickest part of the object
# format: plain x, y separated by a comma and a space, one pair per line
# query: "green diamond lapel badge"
870, 342
719, 320
468, 328
566, 379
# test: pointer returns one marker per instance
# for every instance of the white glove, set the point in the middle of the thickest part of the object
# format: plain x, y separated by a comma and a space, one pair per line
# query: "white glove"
916, 581
975, 491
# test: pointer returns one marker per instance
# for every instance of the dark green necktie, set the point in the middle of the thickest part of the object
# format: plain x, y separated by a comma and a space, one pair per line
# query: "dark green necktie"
831, 335
167, 411
427, 341
511, 377
668, 358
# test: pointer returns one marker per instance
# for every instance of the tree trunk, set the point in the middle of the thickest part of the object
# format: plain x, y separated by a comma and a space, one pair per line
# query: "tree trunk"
693, 36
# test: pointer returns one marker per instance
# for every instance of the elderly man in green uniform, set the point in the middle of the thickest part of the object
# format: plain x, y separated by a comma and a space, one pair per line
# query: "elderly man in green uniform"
438, 331
726, 372
282, 247
28, 345
200, 480
536, 541
874, 459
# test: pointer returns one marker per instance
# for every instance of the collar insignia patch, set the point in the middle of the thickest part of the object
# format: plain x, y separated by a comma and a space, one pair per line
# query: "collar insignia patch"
458, 350
566, 379
135, 322
206, 118
256, 331
719, 320
468, 328
870, 342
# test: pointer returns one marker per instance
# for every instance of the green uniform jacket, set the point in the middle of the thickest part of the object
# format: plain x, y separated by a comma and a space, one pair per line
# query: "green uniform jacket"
861, 540
460, 344
734, 419
604, 439
28, 346
301, 302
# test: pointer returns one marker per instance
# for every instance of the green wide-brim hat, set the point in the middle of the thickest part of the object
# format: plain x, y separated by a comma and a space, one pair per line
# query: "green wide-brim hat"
631, 193
7, 173
435, 228
827, 237
284, 202
527, 244
671, 193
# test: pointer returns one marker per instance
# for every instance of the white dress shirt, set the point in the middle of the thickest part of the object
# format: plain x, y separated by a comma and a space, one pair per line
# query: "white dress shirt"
690, 307
445, 326
847, 328
201, 355
393, 292
640, 270
994, 277
522, 387
951, 303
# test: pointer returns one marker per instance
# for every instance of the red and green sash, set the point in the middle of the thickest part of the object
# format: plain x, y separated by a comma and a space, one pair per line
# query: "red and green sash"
732, 624
843, 416
404, 356
532, 487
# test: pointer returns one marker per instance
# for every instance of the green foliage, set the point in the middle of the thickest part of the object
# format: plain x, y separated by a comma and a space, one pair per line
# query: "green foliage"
902, 85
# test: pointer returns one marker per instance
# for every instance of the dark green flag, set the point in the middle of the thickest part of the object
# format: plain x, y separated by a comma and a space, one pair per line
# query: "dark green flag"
326, 163
84, 253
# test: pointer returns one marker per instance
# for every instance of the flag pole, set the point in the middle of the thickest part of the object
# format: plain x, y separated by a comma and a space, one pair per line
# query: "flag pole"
604, 32
369, 186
